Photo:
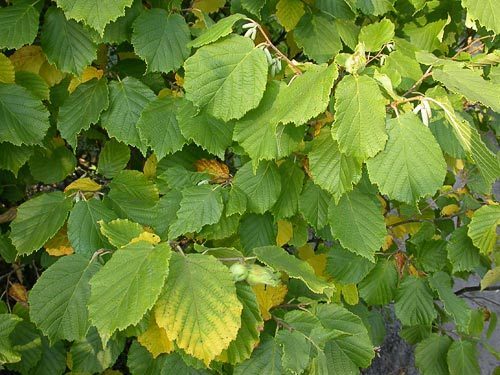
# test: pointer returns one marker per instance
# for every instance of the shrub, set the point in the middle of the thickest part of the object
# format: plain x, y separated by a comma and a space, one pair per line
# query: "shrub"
245, 187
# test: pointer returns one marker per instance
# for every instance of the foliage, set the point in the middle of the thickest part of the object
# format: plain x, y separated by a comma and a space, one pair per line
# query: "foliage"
245, 186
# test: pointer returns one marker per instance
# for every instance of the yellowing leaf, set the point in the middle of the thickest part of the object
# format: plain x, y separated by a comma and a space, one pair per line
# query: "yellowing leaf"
450, 210
491, 277
51, 74
208, 6
155, 339
83, 184
89, 73
350, 294
285, 232
289, 13
388, 242
59, 245
400, 231
317, 261
28, 58
146, 237
7, 74
18, 292
150, 167
216, 169
268, 297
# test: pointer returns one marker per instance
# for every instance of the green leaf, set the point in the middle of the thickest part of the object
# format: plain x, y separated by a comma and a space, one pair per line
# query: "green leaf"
292, 179
95, 13
469, 83
463, 358
462, 254
296, 350
430, 255
134, 196
199, 206
289, 13
317, 35
253, 6
330, 169
357, 222
136, 273
26, 341
220, 81
33, 83
82, 108
343, 9
379, 286
375, 7
19, 24
83, 229
12, 157
257, 230
456, 307
251, 323
24, 118
345, 266
52, 359
53, 163
430, 355
7, 324
414, 302
351, 348
141, 362
313, 205
483, 228
359, 126
206, 131
120, 30
158, 126
262, 188
120, 232
265, 359
161, 40
127, 99
280, 260
412, 165
403, 70
306, 96
37, 220
199, 307
66, 43
221, 29
113, 158
485, 11
375, 35
89, 356
58, 301
259, 133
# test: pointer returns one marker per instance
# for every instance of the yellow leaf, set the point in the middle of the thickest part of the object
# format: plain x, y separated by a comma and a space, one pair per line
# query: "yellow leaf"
268, 297
59, 245
218, 171
450, 210
388, 242
89, 73
179, 80
491, 277
285, 232
147, 237
350, 294
150, 167
83, 184
51, 74
400, 231
209, 6
18, 292
155, 339
7, 74
317, 261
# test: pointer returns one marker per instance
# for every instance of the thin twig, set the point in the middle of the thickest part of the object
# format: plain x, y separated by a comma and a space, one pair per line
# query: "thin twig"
476, 288
427, 74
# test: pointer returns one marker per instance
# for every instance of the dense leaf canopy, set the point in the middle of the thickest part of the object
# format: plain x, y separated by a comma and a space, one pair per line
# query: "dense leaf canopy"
246, 186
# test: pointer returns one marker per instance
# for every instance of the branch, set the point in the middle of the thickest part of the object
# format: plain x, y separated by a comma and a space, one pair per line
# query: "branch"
476, 288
